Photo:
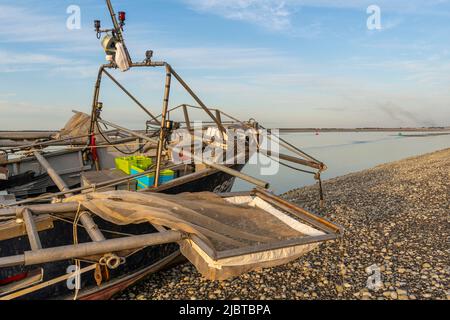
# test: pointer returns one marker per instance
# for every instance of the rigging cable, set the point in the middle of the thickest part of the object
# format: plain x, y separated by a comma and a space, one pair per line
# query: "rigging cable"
111, 144
291, 167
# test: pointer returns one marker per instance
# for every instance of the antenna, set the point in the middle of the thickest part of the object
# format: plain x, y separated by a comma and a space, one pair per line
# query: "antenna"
117, 31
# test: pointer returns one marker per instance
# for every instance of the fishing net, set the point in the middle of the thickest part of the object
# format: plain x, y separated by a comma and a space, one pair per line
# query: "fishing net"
214, 224
77, 126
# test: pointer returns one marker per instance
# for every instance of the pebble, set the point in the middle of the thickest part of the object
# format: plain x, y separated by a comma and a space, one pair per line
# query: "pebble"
395, 217
401, 292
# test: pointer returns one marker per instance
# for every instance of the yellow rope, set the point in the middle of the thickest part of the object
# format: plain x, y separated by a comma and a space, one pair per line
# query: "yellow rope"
103, 230
75, 241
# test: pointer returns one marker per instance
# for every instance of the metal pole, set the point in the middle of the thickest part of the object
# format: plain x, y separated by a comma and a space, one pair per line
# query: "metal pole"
95, 100
311, 164
197, 99
118, 29
130, 95
55, 142
98, 186
94, 112
12, 261
26, 135
293, 148
283, 143
218, 116
52, 173
162, 133
42, 208
90, 249
232, 172
87, 221
32, 231
186, 117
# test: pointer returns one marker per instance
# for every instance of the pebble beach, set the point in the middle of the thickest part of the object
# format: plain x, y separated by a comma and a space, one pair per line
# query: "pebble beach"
396, 245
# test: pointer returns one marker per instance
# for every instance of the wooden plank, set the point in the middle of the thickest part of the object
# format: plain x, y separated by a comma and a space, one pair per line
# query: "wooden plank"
236, 194
46, 284
13, 229
183, 180
202, 245
318, 222
298, 214
33, 277
274, 246
91, 178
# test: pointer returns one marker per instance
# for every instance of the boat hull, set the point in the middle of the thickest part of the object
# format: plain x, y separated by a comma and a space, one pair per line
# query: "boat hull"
137, 265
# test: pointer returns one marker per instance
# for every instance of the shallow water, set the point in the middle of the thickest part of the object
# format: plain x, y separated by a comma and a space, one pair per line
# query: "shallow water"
344, 153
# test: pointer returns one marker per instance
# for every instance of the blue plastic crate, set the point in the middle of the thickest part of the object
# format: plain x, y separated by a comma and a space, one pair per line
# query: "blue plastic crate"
144, 181
166, 176
149, 179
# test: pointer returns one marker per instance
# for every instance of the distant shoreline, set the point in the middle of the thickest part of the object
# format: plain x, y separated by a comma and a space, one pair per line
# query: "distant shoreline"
14, 134
300, 130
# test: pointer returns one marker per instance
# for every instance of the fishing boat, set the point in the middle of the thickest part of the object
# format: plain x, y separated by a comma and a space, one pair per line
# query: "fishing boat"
72, 208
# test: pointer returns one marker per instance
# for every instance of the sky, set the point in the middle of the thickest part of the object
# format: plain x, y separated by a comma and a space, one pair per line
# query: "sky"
286, 63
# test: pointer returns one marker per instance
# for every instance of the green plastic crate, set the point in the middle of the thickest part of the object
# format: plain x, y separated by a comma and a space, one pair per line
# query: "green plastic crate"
125, 163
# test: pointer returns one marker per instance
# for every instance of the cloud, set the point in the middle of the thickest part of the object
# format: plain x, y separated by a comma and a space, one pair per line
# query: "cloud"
224, 58
20, 25
23, 62
7, 95
277, 15
17, 115
268, 83
388, 5
391, 24
11, 61
432, 70
14, 58
271, 14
